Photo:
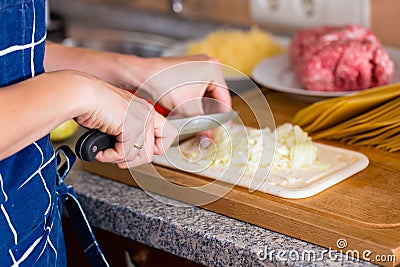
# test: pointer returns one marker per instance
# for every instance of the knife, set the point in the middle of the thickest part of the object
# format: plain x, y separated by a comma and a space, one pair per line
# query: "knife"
93, 141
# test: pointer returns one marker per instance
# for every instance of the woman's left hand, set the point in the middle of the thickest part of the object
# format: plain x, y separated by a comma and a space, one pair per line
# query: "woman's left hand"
185, 84
162, 77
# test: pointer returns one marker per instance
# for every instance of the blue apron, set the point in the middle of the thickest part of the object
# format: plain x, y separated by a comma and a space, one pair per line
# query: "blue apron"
31, 187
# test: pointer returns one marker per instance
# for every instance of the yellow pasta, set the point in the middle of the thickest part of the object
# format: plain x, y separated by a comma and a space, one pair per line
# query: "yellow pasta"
370, 118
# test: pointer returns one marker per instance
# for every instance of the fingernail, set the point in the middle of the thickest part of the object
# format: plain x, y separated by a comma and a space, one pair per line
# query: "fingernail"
205, 141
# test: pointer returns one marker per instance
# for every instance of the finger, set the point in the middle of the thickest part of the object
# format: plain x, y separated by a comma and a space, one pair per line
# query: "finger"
134, 149
221, 95
109, 155
188, 99
138, 161
112, 155
205, 138
145, 154
138, 133
145, 148
164, 134
122, 165
218, 89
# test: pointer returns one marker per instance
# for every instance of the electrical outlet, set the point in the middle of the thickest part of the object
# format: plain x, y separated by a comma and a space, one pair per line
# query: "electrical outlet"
299, 14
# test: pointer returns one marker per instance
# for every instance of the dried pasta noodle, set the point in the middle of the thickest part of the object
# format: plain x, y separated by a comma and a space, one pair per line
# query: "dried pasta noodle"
380, 133
380, 139
386, 115
370, 118
325, 114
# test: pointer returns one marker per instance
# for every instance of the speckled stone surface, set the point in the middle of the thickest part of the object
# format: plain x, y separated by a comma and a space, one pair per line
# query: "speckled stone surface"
191, 232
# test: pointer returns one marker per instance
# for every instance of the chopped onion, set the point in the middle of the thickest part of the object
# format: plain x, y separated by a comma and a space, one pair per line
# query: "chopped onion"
256, 148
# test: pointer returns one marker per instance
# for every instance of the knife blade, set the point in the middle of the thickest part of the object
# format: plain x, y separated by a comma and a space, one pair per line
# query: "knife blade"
93, 141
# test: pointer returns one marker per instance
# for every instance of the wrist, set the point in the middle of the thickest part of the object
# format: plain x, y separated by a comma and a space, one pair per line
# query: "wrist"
129, 71
74, 97
123, 71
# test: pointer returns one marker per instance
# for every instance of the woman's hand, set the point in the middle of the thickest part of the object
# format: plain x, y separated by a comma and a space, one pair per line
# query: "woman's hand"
159, 77
189, 85
132, 120
183, 83
49, 99
192, 85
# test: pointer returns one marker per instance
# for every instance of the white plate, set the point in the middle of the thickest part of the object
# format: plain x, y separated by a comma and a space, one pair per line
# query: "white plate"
180, 48
308, 182
275, 73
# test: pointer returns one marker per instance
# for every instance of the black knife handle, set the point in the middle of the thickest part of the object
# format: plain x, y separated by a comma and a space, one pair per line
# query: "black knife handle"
91, 143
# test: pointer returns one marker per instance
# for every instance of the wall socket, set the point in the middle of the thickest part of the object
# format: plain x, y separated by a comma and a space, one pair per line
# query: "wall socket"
299, 14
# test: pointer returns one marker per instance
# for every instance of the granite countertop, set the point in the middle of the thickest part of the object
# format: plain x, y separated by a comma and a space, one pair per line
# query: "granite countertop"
192, 232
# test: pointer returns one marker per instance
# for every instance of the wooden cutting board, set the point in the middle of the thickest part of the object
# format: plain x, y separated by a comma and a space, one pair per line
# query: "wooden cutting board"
363, 209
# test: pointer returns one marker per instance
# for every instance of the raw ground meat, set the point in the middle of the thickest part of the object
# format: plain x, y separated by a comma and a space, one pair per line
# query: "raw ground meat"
340, 59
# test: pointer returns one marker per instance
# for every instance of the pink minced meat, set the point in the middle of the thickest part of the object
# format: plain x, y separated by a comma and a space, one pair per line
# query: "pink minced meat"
340, 59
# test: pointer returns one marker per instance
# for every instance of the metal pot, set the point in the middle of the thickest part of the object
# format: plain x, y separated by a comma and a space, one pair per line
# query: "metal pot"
137, 43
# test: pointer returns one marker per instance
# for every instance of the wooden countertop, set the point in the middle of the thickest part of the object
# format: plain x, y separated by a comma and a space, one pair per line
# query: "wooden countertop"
363, 210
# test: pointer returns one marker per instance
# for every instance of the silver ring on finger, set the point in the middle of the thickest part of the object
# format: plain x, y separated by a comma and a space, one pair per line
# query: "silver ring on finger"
137, 146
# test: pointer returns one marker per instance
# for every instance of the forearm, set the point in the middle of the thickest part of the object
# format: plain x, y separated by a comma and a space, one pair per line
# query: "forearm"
107, 66
130, 72
31, 109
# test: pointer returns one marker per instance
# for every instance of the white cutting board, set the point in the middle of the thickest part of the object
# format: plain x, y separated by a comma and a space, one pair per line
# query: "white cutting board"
289, 183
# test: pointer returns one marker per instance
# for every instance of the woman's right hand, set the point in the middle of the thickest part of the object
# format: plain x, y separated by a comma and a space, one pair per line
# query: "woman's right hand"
36, 106
131, 119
